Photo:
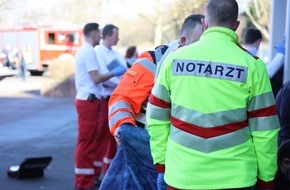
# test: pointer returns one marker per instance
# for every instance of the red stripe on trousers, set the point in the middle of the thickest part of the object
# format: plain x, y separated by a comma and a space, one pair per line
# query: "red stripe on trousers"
106, 143
86, 147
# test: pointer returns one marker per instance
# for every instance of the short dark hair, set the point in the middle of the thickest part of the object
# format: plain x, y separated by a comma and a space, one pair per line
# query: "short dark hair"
90, 27
130, 51
284, 151
108, 30
252, 35
223, 12
191, 21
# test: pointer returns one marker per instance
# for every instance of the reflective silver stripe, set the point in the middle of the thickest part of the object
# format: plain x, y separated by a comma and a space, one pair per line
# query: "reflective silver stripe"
119, 105
161, 92
210, 119
107, 160
150, 66
141, 117
85, 171
211, 144
119, 115
159, 113
98, 164
158, 54
210, 69
171, 47
264, 123
261, 101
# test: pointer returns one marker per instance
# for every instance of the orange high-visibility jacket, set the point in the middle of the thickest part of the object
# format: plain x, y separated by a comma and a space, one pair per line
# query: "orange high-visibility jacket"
128, 101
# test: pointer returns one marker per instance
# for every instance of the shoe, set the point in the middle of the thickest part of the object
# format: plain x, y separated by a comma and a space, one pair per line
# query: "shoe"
97, 182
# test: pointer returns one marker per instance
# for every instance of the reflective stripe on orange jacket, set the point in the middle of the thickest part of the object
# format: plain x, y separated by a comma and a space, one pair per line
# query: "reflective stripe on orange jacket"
129, 99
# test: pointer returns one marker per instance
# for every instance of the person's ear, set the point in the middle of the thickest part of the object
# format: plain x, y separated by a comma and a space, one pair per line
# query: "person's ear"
286, 163
204, 24
257, 43
182, 41
237, 25
94, 34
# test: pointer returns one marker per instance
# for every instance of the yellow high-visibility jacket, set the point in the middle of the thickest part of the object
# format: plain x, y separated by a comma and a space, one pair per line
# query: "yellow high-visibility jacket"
212, 116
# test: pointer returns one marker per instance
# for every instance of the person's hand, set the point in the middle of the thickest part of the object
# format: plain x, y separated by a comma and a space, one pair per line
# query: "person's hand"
118, 71
280, 48
117, 134
161, 185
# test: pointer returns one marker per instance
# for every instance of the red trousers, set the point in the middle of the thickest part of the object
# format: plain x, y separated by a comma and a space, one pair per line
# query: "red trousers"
95, 145
109, 146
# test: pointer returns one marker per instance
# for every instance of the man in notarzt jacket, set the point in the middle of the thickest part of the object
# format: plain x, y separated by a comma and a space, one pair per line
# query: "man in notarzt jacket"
211, 116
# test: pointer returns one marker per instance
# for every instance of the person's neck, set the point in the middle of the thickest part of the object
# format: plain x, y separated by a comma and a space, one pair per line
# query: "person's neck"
107, 45
253, 45
90, 41
252, 49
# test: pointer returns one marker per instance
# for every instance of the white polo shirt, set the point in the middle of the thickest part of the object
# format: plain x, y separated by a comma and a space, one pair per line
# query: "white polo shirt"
108, 59
86, 61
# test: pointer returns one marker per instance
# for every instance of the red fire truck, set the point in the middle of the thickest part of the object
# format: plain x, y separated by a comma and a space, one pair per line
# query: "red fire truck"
45, 43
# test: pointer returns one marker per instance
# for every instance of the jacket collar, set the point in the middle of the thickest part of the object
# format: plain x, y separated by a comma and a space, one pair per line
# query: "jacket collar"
221, 32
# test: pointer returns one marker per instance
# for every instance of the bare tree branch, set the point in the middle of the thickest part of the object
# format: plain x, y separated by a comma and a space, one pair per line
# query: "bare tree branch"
257, 8
258, 14
263, 30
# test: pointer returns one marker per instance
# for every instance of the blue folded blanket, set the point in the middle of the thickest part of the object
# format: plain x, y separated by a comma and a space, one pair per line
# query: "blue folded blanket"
132, 167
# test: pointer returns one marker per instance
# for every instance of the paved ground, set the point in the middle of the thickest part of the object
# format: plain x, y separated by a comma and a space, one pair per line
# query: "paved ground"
34, 126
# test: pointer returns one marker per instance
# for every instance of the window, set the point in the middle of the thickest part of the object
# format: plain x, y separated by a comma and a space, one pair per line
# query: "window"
61, 38
71, 37
51, 38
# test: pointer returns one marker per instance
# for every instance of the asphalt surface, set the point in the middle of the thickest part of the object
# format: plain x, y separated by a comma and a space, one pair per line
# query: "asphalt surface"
36, 126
